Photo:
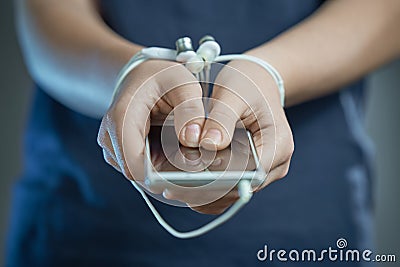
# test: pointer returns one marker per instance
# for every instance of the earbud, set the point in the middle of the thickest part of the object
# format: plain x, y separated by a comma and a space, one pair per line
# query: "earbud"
209, 49
184, 49
195, 64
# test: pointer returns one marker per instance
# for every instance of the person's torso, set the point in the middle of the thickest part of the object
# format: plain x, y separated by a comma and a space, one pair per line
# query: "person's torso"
61, 148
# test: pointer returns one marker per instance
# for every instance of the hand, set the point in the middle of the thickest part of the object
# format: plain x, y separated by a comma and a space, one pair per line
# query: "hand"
252, 97
245, 92
146, 95
151, 91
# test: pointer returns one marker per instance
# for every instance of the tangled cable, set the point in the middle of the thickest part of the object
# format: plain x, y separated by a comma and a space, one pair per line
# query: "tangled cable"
199, 64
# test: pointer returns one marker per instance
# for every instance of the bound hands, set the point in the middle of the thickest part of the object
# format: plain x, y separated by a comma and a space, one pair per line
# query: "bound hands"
243, 91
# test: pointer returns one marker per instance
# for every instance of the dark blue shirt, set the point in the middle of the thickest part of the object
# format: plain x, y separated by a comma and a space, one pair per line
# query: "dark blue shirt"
72, 209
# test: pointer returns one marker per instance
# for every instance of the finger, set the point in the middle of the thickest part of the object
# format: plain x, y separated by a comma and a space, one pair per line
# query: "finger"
110, 150
225, 111
131, 143
127, 122
188, 113
214, 208
117, 148
202, 199
194, 196
274, 147
104, 141
182, 91
160, 110
275, 174
218, 206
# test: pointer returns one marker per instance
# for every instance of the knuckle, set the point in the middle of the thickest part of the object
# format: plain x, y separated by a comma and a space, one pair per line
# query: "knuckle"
185, 92
281, 171
223, 116
230, 97
285, 170
103, 139
208, 209
289, 149
191, 107
106, 155
108, 158
286, 142
277, 174
101, 136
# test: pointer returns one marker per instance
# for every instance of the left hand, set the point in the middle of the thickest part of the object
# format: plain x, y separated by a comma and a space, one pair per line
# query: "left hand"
245, 91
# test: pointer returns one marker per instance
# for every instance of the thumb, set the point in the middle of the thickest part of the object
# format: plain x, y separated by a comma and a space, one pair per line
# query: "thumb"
221, 121
188, 113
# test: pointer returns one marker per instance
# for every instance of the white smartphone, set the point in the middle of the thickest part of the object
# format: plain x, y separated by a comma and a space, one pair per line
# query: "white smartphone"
168, 163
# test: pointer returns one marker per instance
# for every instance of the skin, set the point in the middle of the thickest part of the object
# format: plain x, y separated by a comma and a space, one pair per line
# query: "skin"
339, 43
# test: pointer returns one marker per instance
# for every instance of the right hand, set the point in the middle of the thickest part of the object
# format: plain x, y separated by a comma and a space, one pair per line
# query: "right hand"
151, 91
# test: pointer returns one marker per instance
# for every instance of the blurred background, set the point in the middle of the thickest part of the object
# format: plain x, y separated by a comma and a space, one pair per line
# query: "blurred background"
382, 122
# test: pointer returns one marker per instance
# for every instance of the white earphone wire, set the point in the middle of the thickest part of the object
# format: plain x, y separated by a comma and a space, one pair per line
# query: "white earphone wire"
244, 186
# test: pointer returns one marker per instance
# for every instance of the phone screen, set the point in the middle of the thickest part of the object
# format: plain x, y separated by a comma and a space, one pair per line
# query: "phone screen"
168, 155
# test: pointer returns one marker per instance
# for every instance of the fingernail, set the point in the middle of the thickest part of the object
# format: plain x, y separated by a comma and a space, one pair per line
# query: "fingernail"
212, 137
166, 194
216, 162
192, 135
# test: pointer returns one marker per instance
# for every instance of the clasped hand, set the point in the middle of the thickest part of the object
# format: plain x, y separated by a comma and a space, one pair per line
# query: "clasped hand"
243, 92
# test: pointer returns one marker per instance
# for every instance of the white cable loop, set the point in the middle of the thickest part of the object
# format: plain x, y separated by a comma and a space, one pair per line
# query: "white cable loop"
244, 186
245, 194
135, 61
268, 67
